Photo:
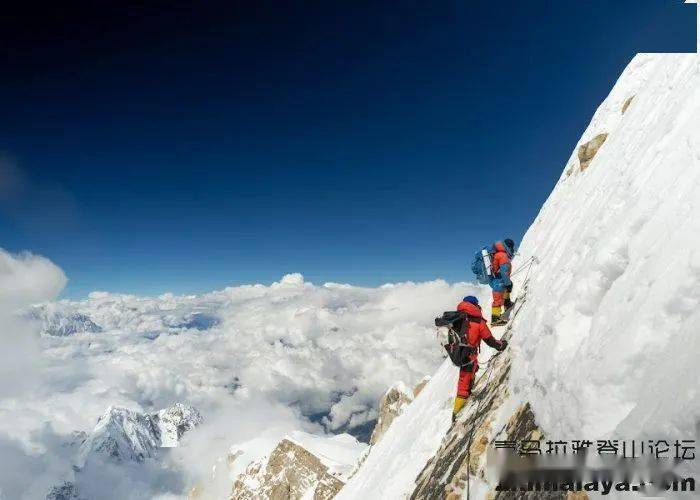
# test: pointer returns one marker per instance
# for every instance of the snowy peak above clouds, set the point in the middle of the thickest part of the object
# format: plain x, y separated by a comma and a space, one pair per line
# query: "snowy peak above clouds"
123, 435
61, 323
174, 422
328, 350
123, 442
260, 361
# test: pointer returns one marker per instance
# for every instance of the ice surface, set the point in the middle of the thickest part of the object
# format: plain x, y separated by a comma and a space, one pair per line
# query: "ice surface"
391, 467
607, 344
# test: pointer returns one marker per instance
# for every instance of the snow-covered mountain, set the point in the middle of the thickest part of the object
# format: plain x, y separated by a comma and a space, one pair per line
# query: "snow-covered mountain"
126, 435
603, 340
61, 322
123, 439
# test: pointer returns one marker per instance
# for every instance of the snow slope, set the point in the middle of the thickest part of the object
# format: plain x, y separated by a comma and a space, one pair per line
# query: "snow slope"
339, 453
413, 437
606, 344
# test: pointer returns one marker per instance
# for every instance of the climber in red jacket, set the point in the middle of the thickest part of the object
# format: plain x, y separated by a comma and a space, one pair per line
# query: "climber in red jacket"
500, 283
478, 330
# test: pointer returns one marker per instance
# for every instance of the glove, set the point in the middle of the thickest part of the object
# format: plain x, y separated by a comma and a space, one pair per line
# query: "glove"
504, 344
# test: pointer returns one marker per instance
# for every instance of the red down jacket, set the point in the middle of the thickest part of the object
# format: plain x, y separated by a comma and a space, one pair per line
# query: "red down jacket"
478, 331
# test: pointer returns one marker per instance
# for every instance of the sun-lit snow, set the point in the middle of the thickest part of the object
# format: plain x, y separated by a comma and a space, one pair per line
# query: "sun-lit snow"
606, 344
339, 453
413, 437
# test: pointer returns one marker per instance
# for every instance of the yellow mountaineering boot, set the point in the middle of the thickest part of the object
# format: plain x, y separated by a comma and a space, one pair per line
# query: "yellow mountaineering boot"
496, 316
459, 404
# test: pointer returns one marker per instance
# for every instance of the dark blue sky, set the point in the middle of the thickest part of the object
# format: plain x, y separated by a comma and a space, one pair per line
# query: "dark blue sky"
192, 147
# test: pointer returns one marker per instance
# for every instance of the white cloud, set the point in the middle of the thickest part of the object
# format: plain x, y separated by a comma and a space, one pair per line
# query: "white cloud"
25, 470
265, 360
27, 278
24, 279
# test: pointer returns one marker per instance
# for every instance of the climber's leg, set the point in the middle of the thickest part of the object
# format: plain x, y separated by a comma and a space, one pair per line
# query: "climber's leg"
496, 307
507, 303
464, 388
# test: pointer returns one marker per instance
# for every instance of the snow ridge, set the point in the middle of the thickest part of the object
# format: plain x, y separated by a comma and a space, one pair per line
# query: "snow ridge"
605, 347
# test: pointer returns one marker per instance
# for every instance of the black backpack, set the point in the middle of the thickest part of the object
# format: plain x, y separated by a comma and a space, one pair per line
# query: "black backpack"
458, 324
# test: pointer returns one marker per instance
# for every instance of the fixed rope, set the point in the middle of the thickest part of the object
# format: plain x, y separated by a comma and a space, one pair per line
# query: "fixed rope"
489, 370
527, 264
479, 409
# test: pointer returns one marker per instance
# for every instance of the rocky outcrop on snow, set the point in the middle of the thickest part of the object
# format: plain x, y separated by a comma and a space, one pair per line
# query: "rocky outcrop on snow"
391, 405
627, 104
420, 386
290, 473
587, 151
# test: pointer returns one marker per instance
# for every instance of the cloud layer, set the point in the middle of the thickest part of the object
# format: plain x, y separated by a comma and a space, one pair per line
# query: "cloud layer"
258, 361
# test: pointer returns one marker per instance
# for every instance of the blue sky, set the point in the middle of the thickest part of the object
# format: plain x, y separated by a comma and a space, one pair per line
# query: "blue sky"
146, 150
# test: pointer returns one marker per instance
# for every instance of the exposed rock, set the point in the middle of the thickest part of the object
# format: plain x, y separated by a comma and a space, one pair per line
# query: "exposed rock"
418, 388
391, 405
66, 491
587, 151
521, 427
464, 446
290, 473
627, 104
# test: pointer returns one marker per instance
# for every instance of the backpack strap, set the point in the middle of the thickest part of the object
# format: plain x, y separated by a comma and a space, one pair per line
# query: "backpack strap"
468, 318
